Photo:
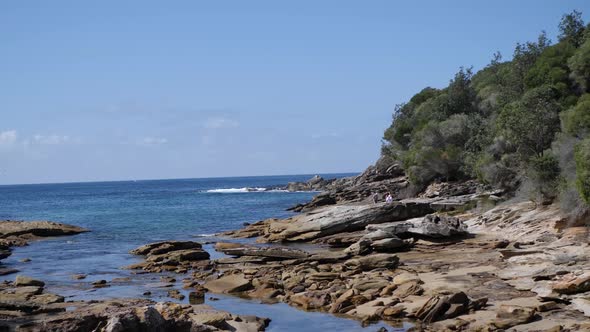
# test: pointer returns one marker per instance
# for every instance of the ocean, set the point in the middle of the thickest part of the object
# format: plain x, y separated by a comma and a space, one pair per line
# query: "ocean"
123, 215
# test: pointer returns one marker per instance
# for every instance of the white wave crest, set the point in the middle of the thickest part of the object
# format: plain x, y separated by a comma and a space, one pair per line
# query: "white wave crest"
235, 190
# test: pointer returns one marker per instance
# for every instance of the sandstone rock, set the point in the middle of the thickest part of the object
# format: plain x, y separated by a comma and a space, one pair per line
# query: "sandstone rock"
375, 261
32, 229
233, 283
175, 294
27, 281
573, 284
445, 307
270, 252
511, 315
159, 248
406, 277
341, 218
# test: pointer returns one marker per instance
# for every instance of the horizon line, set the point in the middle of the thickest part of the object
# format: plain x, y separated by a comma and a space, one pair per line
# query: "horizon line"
167, 179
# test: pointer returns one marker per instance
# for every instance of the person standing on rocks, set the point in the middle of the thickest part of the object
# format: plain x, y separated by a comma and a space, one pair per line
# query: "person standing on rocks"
375, 198
389, 198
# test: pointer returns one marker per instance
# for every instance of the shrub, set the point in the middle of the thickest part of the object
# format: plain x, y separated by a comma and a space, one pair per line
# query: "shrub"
582, 157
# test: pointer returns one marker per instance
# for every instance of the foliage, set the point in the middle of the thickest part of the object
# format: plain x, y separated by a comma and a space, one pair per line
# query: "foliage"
579, 64
501, 123
582, 157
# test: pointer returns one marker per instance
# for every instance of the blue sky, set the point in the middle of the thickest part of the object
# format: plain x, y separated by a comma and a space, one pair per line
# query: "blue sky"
118, 90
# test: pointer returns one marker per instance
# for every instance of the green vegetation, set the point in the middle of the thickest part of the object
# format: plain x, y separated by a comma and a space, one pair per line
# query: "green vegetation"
507, 124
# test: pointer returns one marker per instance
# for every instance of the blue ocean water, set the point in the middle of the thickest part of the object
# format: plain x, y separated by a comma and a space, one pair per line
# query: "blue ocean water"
125, 215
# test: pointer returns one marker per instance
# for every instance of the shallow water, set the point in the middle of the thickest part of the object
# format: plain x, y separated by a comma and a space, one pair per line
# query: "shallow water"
125, 215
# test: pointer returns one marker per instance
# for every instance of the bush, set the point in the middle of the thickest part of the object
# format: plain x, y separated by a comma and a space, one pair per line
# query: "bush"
582, 157
544, 175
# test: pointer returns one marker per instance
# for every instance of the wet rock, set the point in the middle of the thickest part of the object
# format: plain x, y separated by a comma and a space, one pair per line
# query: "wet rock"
35, 229
24, 260
175, 294
196, 297
159, 248
27, 281
176, 256
100, 284
78, 276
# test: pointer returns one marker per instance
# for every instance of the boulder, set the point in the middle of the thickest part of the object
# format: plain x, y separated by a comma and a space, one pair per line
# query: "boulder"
341, 218
233, 283
27, 281
571, 284
511, 315
446, 307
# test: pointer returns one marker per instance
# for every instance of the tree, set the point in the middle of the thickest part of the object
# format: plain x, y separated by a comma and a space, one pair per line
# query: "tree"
531, 123
571, 28
579, 64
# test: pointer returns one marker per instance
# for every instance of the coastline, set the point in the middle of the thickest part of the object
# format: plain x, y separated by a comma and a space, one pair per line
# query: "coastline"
441, 260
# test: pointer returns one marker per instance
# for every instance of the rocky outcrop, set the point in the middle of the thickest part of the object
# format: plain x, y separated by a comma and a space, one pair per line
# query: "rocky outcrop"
19, 233
35, 229
387, 237
178, 256
334, 219
27, 308
316, 183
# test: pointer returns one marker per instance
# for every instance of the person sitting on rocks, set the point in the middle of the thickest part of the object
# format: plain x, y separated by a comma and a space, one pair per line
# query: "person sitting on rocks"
389, 198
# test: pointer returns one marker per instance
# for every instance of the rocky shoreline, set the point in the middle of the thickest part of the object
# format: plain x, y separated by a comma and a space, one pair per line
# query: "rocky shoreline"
454, 257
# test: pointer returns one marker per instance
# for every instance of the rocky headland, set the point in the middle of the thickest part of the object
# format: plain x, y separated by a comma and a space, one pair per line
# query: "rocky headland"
453, 257
456, 256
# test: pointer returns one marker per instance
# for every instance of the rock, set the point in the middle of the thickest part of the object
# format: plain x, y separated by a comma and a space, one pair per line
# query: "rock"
446, 307
406, 289
582, 305
432, 225
175, 294
512, 315
176, 256
27, 281
6, 271
406, 277
269, 252
100, 284
32, 229
233, 283
78, 276
196, 297
24, 260
336, 219
375, 261
164, 247
570, 284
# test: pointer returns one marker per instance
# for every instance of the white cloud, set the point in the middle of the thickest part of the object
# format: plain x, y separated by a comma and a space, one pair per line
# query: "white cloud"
153, 141
220, 123
7, 137
50, 139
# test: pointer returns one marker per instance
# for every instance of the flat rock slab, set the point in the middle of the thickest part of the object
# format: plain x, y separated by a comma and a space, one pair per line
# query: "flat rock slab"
234, 283
37, 229
269, 252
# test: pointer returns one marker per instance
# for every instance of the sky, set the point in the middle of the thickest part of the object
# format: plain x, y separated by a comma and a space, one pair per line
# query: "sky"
129, 90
